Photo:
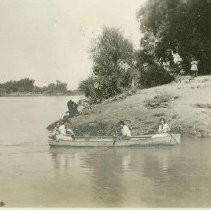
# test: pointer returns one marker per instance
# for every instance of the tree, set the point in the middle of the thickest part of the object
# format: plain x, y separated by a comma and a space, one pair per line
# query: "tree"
22, 85
179, 26
25, 84
56, 88
112, 57
88, 87
3, 91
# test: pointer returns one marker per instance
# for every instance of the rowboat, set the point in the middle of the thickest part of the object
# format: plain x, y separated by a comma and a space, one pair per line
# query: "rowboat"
111, 141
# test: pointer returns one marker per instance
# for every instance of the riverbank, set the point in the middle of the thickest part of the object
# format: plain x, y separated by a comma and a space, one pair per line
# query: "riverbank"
186, 105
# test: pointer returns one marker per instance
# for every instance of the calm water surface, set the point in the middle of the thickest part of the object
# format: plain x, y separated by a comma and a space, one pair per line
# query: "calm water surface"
33, 175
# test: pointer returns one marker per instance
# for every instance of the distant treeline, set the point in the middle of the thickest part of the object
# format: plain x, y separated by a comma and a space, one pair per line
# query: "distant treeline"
173, 33
26, 86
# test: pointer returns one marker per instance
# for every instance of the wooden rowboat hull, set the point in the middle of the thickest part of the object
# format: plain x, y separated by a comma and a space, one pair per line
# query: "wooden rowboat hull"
109, 141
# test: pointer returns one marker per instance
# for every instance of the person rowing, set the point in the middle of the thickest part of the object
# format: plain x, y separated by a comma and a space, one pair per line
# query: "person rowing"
163, 126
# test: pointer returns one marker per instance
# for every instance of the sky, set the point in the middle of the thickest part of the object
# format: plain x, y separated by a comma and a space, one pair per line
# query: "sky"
49, 40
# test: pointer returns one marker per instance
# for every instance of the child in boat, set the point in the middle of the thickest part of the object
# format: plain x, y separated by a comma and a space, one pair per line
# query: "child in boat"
163, 126
125, 131
62, 129
55, 131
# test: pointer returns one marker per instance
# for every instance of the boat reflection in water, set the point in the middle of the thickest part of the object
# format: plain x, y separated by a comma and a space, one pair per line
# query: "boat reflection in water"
136, 176
117, 177
64, 160
102, 167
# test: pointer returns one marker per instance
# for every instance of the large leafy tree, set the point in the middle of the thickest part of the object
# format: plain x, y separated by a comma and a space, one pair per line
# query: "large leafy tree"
179, 26
113, 62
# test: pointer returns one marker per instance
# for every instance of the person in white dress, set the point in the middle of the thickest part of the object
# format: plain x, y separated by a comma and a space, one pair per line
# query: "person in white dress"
194, 68
64, 132
125, 131
163, 126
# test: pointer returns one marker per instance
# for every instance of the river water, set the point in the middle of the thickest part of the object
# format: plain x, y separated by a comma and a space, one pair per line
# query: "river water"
34, 175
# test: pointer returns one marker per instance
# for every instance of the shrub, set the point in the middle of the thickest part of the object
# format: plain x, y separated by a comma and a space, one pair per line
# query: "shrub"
154, 75
159, 101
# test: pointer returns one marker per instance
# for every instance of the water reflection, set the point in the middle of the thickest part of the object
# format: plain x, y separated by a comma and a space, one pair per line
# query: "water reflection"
109, 167
126, 162
138, 177
106, 167
64, 160
106, 177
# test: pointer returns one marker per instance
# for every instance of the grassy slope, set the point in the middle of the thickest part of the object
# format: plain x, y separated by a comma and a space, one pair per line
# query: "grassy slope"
181, 114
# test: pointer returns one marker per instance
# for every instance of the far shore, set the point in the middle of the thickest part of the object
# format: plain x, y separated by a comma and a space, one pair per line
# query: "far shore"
36, 95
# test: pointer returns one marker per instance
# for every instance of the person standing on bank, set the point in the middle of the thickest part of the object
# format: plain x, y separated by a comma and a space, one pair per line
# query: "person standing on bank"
194, 68
72, 108
163, 126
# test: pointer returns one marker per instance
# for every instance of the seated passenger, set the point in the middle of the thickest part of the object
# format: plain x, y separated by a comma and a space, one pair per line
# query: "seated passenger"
125, 131
62, 129
64, 133
70, 132
163, 126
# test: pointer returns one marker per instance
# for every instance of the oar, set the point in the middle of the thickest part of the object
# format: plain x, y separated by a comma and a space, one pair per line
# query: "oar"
173, 138
115, 138
114, 141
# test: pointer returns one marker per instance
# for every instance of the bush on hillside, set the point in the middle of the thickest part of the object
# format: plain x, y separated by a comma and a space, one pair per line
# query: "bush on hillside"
159, 101
151, 71
153, 75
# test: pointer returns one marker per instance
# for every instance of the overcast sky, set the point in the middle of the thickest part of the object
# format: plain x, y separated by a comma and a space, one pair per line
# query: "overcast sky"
49, 39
